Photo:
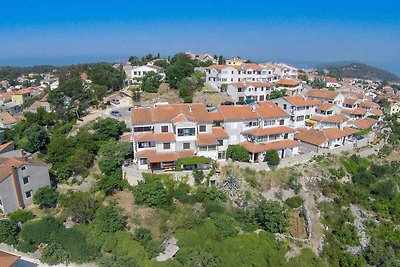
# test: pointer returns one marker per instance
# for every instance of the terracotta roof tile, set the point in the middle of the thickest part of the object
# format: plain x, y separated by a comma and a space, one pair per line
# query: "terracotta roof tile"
300, 101
257, 148
356, 111
318, 137
325, 106
288, 82
363, 123
332, 118
156, 137
8, 259
369, 104
324, 94
237, 113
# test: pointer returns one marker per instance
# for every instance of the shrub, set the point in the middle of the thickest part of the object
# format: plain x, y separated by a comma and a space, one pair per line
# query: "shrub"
213, 207
271, 216
294, 202
142, 235
198, 176
21, 216
272, 158
152, 191
238, 153
108, 220
8, 232
46, 197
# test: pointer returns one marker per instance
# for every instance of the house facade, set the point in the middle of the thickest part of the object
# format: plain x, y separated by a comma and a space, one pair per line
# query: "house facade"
256, 91
299, 108
19, 180
162, 134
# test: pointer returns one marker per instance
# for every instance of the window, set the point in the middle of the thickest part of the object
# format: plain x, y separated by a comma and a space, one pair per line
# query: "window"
167, 145
142, 129
186, 145
202, 128
164, 129
220, 142
300, 118
284, 106
186, 132
23, 168
269, 123
1, 203
25, 180
307, 117
146, 144
143, 161
28, 194
281, 122
221, 154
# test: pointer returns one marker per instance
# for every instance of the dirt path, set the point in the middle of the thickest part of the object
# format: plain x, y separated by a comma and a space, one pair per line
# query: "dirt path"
315, 239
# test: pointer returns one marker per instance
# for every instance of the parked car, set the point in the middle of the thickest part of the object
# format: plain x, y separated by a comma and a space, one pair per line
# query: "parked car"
228, 103
115, 101
241, 103
115, 113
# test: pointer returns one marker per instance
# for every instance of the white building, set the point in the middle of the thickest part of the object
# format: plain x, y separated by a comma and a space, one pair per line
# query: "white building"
164, 133
327, 96
257, 91
299, 108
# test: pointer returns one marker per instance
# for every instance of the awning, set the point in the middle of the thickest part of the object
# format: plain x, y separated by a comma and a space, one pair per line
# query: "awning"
311, 121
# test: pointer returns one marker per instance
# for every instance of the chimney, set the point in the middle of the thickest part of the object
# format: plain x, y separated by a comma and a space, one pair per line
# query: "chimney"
190, 107
17, 187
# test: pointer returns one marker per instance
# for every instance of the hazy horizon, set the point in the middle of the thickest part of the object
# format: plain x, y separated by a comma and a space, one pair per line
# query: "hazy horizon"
60, 33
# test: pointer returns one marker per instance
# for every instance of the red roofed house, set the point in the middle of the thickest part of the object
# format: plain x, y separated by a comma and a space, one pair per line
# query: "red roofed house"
256, 91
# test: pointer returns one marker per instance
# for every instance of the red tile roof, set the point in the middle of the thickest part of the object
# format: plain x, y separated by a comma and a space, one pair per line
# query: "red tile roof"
300, 101
8, 259
363, 123
288, 82
166, 113
332, 118
324, 94
318, 137
356, 111
156, 137
257, 148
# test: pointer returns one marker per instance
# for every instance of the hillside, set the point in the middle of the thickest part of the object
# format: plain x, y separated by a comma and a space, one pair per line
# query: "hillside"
359, 70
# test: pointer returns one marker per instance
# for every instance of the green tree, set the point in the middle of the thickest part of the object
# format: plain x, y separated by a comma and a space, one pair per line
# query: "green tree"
181, 66
150, 82
107, 75
36, 138
109, 128
200, 257
79, 206
271, 216
238, 153
142, 235
46, 197
272, 158
98, 91
108, 220
151, 191
221, 60
111, 156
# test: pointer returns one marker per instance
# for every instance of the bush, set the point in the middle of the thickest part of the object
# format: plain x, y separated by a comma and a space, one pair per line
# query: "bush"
213, 207
46, 197
272, 158
8, 232
80, 206
142, 235
40, 231
198, 176
238, 153
152, 191
271, 216
21, 216
108, 220
294, 202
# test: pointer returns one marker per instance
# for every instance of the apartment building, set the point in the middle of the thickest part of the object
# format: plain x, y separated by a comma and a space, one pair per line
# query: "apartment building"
164, 133
217, 75
326, 96
20, 96
255, 91
20, 178
331, 82
299, 108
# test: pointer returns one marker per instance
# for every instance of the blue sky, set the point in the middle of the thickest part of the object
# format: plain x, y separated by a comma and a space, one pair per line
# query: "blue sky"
60, 32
